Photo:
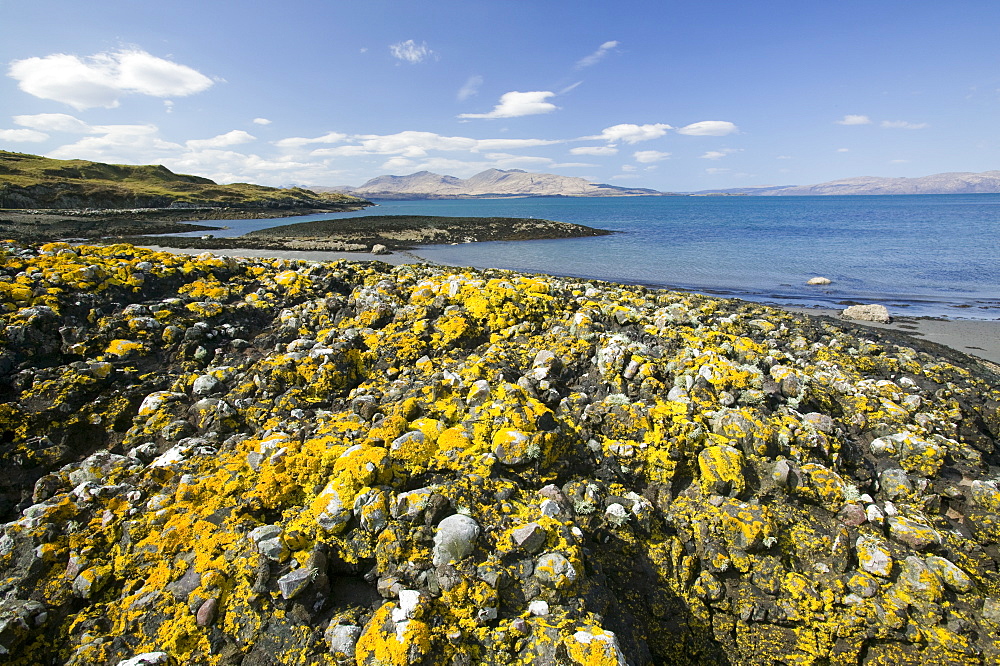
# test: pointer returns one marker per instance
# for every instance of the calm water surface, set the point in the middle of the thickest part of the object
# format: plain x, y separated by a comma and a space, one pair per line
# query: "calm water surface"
920, 255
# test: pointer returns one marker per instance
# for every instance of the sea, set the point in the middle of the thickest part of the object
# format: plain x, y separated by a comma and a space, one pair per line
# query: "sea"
919, 255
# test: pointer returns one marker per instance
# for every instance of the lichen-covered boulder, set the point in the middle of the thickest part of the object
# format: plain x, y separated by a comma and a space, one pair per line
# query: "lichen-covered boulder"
248, 461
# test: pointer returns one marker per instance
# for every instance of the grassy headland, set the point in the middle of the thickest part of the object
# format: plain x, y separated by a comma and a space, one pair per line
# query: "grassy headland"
45, 199
31, 181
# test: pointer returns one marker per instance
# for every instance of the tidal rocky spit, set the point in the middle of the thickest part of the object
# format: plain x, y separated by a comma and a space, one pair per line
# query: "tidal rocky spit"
231, 461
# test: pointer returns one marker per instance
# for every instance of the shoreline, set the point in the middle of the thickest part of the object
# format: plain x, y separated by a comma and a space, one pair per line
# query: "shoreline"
977, 338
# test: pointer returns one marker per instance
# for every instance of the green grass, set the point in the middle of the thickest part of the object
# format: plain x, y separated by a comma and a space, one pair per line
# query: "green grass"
32, 181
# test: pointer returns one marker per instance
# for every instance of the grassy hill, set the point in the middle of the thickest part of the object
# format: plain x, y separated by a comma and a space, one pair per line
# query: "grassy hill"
31, 181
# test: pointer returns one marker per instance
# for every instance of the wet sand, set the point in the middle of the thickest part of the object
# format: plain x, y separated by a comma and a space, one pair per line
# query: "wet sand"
979, 338
975, 337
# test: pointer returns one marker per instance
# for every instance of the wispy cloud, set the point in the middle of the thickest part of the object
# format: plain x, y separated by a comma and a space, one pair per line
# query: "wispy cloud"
300, 141
54, 122
233, 138
101, 79
515, 104
709, 128
631, 133
261, 121
597, 56
570, 87
843, 150
854, 120
594, 150
411, 52
719, 154
648, 156
26, 135
902, 124
470, 88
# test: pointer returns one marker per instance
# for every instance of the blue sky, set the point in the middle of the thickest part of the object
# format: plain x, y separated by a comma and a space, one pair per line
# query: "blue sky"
669, 95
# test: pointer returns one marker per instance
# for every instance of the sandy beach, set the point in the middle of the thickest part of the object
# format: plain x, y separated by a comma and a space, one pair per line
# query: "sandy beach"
975, 337
979, 338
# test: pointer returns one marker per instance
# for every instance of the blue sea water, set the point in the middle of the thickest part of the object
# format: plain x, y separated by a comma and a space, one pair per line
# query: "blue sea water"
920, 255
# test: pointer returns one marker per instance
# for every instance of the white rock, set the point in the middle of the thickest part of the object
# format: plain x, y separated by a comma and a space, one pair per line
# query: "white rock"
872, 312
146, 659
538, 608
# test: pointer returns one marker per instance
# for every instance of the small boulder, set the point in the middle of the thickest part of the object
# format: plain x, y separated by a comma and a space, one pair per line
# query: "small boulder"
555, 570
873, 556
455, 538
819, 280
342, 639
530, 537
875, 313
294, 582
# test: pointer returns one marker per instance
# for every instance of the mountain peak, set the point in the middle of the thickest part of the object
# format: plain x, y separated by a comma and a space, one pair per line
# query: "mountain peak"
489, 183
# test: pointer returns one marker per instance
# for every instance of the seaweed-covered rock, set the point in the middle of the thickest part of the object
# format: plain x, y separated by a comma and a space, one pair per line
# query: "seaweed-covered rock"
249, 461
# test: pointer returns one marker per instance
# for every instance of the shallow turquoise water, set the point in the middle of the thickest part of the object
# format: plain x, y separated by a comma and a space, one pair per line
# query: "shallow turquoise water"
920, 255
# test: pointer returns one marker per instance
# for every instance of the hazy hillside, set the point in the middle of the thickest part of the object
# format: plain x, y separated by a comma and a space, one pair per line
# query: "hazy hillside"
489, 183
939, 183
987, 182
31, 181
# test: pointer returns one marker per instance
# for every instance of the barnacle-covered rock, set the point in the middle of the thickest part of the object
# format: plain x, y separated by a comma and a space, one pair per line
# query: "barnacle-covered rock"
247, 461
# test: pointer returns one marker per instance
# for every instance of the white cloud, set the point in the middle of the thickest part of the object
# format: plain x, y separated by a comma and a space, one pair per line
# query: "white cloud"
854, 120
261, 121
410, 51
630, 133
717, 171
709, 128
571, 87
648, 156
299, 141
129, 144
413, 144
719, 154
597, 55
99, 80
515, 104
843, 150
511, 144
629, 167
594, 150
54, 122
470, 88
233, 138
784, 157
226, 166
902, 124
27, 135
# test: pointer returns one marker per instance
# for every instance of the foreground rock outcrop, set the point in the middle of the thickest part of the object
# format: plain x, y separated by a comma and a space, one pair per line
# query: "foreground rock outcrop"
239, 461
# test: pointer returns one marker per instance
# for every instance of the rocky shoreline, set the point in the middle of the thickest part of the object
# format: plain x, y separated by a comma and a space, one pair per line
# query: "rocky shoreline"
110, 225
253, 461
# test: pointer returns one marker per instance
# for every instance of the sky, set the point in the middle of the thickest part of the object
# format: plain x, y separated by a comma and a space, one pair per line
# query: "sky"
674, 96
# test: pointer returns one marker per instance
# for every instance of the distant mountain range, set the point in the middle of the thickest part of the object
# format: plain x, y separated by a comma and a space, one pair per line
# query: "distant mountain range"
517, 183
487, 184
987, 182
